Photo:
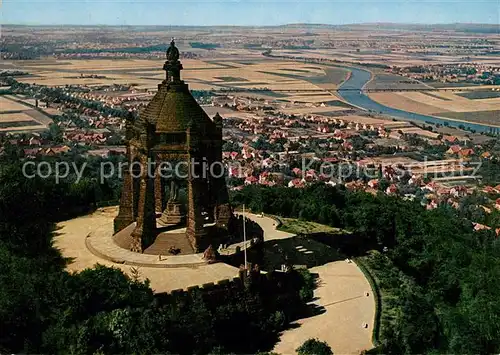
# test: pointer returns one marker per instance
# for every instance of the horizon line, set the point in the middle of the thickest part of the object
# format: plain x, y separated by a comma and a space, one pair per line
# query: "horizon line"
263, 26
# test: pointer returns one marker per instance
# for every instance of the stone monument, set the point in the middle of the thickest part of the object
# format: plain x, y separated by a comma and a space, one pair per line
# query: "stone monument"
174, 128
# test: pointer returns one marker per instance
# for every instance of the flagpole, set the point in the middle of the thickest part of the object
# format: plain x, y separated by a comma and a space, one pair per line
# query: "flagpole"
244, 237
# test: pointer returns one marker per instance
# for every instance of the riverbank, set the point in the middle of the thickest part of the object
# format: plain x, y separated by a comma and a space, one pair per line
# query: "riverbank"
352, 92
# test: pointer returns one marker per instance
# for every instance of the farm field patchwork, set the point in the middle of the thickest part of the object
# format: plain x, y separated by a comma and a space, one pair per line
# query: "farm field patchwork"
436, 96
19, 124
275, 75
230, 78
455, 102
7, 105
322, 98
479, 94
443, 104
488, 117
308, 110
385, 81
15, 117
396, 100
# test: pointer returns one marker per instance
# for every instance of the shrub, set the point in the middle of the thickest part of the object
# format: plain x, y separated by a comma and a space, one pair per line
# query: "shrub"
309, 284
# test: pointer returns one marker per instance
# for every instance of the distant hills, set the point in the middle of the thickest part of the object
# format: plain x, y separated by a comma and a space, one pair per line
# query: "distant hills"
455, 27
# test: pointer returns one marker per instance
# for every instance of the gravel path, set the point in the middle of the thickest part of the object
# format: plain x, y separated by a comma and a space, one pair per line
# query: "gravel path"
342, 293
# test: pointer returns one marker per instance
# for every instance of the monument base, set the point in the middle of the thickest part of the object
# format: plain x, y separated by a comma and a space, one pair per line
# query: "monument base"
121, 222
136, 242
172, 214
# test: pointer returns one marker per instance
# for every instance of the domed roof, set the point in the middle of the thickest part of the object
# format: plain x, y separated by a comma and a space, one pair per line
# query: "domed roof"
174, 109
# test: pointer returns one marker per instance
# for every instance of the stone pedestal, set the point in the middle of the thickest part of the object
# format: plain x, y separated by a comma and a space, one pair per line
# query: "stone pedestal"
223, 214
172, 213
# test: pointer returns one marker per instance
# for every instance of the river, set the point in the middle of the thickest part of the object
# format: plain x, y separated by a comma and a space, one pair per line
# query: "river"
351, 91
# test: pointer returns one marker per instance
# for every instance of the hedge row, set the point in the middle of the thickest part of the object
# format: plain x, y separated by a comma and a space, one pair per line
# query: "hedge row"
378, 299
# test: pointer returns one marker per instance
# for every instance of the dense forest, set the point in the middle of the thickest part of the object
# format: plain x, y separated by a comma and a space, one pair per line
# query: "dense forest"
438, 276
441, 275
44, 309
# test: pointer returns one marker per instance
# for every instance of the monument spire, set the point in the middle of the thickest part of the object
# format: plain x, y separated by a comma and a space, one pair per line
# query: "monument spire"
173, 66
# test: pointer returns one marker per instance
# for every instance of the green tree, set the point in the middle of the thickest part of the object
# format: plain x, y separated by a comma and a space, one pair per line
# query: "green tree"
55, 133
314, 347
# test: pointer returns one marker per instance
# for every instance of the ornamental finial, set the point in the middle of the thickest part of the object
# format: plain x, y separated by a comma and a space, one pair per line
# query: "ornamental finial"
172, 52
173, 66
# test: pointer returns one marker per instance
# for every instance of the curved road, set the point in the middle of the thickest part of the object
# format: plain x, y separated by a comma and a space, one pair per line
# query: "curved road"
341, 293
352, 91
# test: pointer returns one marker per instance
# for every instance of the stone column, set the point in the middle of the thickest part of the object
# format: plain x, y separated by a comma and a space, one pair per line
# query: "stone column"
159, 192
195, 231
126, 213
144, 233
223, 211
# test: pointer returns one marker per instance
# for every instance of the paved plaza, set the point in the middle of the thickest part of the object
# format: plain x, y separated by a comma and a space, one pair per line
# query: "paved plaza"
342, 293
342, 290
71, 241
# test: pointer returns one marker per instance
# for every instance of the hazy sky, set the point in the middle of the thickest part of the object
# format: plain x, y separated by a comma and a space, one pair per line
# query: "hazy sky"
236, 12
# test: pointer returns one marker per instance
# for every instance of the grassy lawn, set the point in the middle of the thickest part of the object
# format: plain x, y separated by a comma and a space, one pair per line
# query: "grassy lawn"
296, 226
298, 251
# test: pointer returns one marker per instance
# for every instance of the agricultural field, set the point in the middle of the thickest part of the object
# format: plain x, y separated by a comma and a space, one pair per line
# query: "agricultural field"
15, 116
272, 63
397, 100
384, 81
480, 95
307, 83
388, 57
7, 105
377, 122
489, 117
312, 110
430, 94
420, 132
444, 104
